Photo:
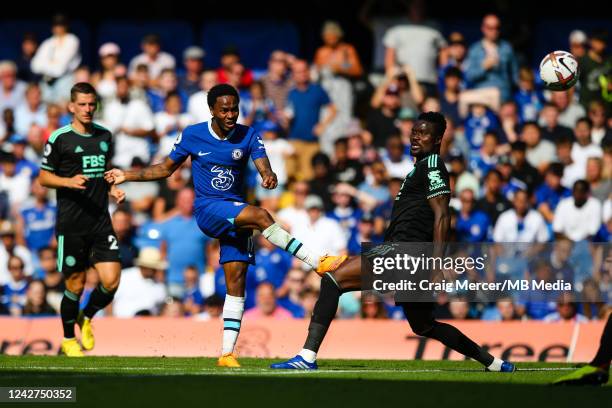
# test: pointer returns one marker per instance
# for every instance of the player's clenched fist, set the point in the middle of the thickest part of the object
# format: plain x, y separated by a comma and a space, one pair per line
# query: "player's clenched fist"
117, 194
77, 182
269, 181
114, 176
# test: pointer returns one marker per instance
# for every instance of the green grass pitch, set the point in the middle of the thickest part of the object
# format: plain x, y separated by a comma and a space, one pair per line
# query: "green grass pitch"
112, 382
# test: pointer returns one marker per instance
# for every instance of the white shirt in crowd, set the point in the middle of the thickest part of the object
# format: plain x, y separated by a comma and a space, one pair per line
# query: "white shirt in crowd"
156, 66
581, 154
572, 173
13, 99
197, 107
571, 114
25, 118
17, 187
577, 223
57, 56
23, 253
167, 127
292, 216
277, 151
532, 229
398, 169
543, 152
136, 293
417, 46
324, 236
136, 114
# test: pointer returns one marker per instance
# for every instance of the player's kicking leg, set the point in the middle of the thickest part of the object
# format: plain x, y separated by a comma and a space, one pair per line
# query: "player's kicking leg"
597, 372
233, 308
252, 217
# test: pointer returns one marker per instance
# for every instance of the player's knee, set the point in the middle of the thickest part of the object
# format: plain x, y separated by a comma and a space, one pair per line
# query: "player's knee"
420, 327
75, 287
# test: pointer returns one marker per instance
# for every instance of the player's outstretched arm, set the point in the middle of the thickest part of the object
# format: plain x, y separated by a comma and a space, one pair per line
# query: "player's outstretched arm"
264, 168
51, 180
150, 173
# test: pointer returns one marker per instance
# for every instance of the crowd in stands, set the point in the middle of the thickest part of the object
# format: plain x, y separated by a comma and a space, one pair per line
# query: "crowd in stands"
527, 165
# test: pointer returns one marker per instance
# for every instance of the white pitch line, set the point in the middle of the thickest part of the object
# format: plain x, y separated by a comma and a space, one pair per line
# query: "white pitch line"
263, 371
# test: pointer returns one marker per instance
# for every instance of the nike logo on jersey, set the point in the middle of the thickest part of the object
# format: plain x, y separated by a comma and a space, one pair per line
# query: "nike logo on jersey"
203, 154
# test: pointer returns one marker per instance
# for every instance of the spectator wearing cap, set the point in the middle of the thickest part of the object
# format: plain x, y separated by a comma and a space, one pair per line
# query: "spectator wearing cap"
15, 185
306, 123
10, 247
20, 151
12, 90
449, 102
381, 121
277, 81
569, 110
56, 60
335, 55
453, 56
551, 192
256, 108
491, 62
583, 147
29, 45
540, 152
138, 290
131, 121
32, 111
549, 122
230, 58
324, 234
110, 68
266, 305
522, 170
197, 105
279, 151
520, 223
153, 58
183, 244
36, 219
528, 99
493, 202
189, 80
592, 65
472, 224
578, 43
578, 217
416, 44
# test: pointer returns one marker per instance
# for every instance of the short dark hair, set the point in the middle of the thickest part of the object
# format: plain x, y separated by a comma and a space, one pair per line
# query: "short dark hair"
453, 72
82, 88
151, 39
437, 120
556, 169
582, 184
220, 90
586, 120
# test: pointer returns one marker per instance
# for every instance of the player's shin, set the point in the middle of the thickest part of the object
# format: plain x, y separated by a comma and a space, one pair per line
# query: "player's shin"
233, 309
281, 238
99, 299
322, 316
69, 310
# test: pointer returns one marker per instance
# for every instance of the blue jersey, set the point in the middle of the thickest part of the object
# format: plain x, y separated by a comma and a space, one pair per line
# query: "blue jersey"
218, 165
39, 225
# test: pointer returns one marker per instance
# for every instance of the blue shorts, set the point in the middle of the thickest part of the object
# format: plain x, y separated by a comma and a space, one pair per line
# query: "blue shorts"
216, 219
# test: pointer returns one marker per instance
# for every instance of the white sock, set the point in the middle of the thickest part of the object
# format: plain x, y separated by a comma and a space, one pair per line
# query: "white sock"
308, 355
232, 318
495, 365
281, 238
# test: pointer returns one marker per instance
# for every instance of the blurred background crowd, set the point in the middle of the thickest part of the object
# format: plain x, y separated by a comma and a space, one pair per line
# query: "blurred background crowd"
527, 165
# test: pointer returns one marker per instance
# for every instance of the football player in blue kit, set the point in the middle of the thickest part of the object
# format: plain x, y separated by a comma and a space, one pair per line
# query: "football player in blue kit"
219, 151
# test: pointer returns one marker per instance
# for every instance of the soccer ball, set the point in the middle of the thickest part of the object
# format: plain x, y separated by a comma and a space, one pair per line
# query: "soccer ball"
559, 70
